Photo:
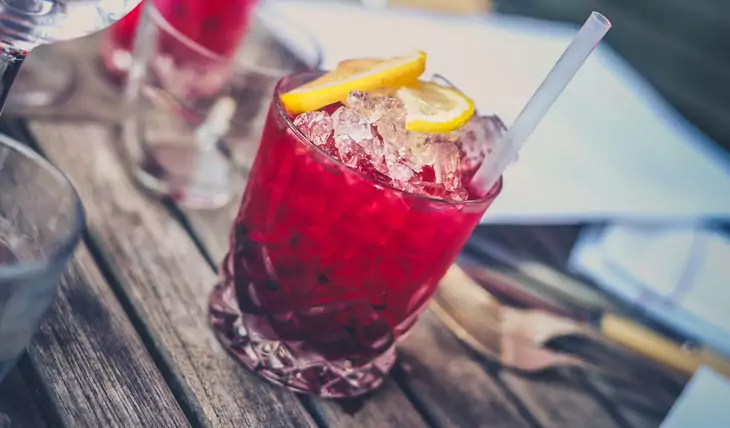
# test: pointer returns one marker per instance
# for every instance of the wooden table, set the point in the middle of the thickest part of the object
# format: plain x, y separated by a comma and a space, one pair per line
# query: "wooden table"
127, 343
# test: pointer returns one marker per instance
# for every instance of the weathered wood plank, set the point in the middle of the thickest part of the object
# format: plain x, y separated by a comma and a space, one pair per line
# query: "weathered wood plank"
17, 406
386, 407
449, 385
636, 405
558, 402
166, 281
643, 392
92, 364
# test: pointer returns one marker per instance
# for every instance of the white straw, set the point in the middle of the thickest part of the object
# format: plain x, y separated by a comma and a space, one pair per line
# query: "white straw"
550, 89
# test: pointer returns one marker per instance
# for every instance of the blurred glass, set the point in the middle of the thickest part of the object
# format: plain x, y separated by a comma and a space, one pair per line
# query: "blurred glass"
190, 110
171, 128
216, 25
41, 220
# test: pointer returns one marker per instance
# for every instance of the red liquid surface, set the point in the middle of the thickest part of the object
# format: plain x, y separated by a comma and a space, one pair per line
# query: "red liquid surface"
323, 256
217, 25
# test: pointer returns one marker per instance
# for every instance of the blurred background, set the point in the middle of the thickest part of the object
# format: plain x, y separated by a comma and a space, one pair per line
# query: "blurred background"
677, 45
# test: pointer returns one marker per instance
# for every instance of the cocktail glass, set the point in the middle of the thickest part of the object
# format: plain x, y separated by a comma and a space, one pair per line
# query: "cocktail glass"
327, 267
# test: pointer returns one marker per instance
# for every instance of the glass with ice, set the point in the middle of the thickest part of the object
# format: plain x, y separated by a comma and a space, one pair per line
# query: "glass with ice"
367, 183
346, 226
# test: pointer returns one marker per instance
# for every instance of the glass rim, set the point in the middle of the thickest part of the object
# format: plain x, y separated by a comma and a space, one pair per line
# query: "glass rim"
160, 21
68, 241
164, 24
491, 194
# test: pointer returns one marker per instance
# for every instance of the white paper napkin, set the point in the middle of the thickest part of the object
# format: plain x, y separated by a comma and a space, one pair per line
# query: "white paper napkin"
609, 149
704, 403
678, 275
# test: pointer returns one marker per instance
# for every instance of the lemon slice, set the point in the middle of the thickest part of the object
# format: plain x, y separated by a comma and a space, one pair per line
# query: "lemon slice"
354, 75
432, 108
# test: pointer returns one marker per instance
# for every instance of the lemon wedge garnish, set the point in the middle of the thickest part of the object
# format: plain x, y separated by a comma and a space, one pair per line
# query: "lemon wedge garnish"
432, 108
354, 75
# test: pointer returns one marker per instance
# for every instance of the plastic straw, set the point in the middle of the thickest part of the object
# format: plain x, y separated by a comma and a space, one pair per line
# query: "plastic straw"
550, 89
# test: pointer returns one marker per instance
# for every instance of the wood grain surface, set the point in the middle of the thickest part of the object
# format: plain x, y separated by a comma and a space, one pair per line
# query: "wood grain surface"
165, 281
18, 406
93, 365
453, 388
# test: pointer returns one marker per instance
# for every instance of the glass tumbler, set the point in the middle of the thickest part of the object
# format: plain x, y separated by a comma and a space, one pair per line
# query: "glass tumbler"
178, 109
328, 269
41, 220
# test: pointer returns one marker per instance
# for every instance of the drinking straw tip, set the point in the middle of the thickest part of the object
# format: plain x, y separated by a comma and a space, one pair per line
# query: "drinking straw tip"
601, 19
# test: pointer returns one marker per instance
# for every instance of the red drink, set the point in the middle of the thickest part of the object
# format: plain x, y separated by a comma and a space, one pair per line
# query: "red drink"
329, 266
216, 25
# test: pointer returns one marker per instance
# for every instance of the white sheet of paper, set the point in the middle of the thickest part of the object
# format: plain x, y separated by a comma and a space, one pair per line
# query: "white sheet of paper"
705, 403
609, 149
677, 275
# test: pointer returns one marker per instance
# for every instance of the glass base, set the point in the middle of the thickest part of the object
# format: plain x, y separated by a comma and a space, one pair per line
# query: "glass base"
193, 178
289, 364
190, 178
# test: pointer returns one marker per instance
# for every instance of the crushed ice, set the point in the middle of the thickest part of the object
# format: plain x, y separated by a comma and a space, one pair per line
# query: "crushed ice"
368, 133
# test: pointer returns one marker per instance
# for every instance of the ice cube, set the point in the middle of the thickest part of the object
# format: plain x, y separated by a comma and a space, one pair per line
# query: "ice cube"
458, 195
391, 131
400, 173
419, 151
362, 104
425, 188
354, 137
477, 139
367, 132
446, 166
315, 125
374, 106
349, 152
350, 124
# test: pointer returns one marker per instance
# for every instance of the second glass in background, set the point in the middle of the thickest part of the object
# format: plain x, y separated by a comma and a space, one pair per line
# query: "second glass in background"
329, 268
177, 103
216, 25
177, 83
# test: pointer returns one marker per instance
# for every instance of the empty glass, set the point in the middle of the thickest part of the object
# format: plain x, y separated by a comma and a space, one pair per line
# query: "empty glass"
41, 220
187, 100
177, 112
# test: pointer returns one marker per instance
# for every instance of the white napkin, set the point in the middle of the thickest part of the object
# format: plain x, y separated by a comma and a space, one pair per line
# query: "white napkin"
609, 149
704, 403
678, 275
